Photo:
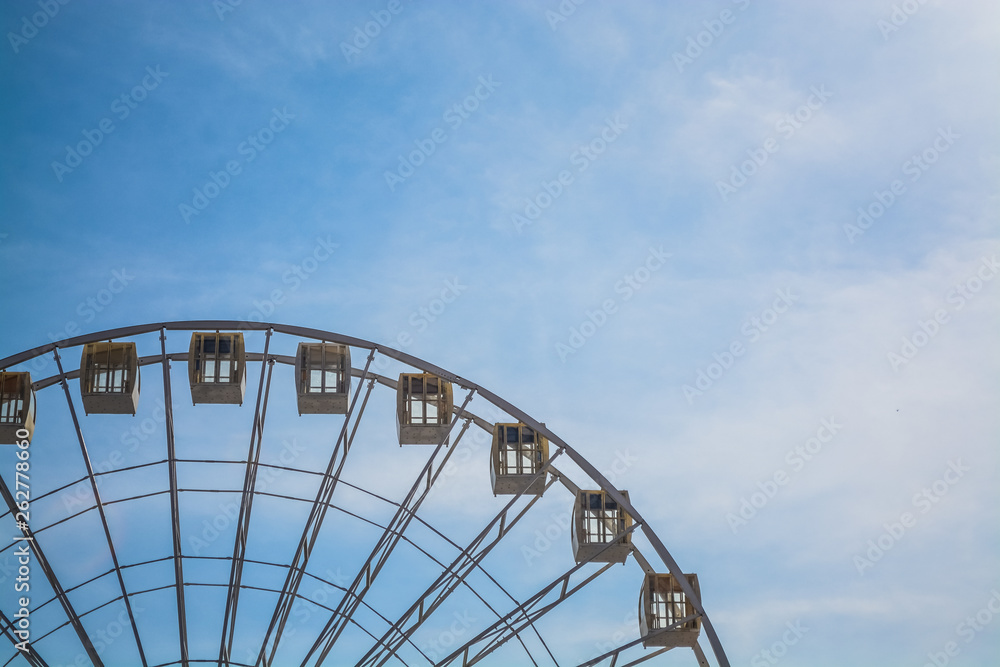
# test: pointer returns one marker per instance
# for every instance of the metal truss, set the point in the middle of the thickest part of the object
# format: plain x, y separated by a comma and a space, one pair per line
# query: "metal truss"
311, 531
246, 504
515, 624
469, 559
175, 519
390, 538
100, 509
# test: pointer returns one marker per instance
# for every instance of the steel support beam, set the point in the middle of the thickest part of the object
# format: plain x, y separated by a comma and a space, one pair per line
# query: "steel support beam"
243, 522
316, 334
494, 637
450, 579
614, 653
313, 524
527, 608
390, 538
700, 656
175, 516
28, 653
50, 574
101, 512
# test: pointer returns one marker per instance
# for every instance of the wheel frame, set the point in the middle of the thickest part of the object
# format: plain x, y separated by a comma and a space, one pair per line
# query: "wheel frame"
557, 444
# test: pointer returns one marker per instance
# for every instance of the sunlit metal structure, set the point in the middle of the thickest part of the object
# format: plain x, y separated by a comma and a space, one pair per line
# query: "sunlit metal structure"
17, 407
663, 604
516, 457
217, 368
109, 378
601, 527
256, 618
424, 406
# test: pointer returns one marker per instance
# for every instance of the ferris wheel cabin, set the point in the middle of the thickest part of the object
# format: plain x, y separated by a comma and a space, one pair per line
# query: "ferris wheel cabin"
423, 408
323, 378
517, 456
109, 378
599, 521
662, 604
17, 408
217, 368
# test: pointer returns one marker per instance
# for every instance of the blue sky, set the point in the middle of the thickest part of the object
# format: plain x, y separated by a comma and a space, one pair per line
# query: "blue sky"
688, 235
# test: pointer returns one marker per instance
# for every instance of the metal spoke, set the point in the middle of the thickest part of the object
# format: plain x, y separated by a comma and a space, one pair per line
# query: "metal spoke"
383, 549
700, 656
175, 518
243, 522
460, 569
450, 579
493, 635
28, 653
50, 574
311, 530
614, 653
100, 510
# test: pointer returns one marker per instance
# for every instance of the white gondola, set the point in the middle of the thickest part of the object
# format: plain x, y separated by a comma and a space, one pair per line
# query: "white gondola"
323, 378
217, 368
109, 378
662, 603
17, 408
598, 520
517, 455
423, 408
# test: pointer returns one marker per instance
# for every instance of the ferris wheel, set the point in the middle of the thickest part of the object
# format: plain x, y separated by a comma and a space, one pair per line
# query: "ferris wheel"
233, 493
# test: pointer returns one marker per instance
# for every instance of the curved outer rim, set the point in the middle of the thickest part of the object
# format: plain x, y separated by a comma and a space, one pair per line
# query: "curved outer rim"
328, 336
